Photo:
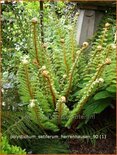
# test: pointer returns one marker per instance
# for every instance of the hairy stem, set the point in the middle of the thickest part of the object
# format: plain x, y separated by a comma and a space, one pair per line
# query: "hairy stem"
65, 60
59, 113
35, 44
72, 45
35, 108
28, 82
52, 91
71, 73
84, 99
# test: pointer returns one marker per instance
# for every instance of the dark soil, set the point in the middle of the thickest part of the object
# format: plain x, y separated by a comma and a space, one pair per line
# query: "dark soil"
102, 146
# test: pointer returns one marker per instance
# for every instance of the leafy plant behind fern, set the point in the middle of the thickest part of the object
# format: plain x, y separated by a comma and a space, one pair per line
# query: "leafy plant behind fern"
6, 148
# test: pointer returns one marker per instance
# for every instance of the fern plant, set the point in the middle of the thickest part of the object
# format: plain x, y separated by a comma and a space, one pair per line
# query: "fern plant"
57, 85
58, 81
105, 96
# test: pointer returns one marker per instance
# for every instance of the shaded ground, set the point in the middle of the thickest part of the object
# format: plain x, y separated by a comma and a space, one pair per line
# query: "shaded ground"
103, 146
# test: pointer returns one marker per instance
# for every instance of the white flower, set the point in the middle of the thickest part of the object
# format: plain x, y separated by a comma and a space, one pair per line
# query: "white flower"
32, 103
25, 60
3, 103
26, 56
2, 90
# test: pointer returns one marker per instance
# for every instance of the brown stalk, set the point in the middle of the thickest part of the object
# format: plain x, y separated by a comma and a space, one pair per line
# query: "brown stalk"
28, 83
71, 74
59, 113
86, 97
65, 60
35, 44
51, 90
72, 44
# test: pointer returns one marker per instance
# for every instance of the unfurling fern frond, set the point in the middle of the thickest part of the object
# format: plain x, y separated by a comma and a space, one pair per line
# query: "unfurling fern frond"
38, 116
61, 113
66, 71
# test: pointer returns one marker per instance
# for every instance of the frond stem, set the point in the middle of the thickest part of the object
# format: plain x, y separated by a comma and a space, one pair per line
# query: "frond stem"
28, 82
35, 44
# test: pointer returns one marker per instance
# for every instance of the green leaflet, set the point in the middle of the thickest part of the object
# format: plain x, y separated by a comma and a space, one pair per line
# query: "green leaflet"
43, 102
96, 107
51, 146
65, 70
49, 125
18, 123
111, 89
53, 70
102, 95
37, 115
6, 148
61, 114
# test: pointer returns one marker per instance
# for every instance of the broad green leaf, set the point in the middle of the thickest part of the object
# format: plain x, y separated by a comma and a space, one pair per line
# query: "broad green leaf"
112, 89
96, 107
102, 95
101, 107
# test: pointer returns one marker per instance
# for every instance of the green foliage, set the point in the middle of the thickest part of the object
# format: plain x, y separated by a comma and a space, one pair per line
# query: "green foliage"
51, 78
105, 96
57, 80
6, 148
101, 95
19, 122
50, 146
15, 32
98, 107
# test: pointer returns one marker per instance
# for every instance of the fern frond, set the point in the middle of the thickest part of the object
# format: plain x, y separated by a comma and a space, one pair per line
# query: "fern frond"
38, 116
16, 123
61, 113
89, 89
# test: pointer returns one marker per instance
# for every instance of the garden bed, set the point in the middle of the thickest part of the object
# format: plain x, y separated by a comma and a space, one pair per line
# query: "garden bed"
103, 146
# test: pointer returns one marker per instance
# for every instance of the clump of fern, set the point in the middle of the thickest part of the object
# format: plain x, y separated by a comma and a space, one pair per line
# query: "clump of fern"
57, 84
